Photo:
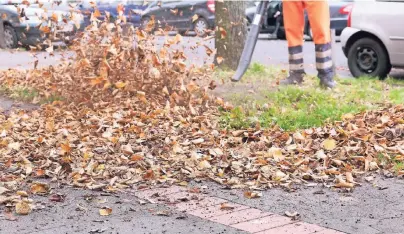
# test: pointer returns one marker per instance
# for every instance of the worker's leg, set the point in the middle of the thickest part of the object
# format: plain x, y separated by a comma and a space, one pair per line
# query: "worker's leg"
319, 18
293, 18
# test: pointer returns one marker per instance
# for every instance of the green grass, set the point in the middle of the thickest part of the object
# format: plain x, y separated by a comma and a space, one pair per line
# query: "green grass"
28, 95
299, 107
398, 166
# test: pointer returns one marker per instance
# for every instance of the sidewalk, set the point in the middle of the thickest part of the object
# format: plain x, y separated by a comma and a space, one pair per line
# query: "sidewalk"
234, 215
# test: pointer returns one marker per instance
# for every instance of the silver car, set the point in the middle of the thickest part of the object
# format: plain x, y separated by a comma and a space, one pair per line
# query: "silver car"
373, 42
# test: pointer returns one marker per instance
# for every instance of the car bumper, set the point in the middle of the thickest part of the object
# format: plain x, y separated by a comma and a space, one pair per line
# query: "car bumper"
338, 24
345, 36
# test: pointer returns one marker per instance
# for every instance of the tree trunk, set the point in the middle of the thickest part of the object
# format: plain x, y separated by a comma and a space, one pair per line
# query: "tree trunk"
231, 32
2, 39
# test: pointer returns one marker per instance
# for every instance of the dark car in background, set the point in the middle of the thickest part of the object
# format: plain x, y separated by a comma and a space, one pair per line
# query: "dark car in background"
339, 12
183, 16
30, 29
132, 9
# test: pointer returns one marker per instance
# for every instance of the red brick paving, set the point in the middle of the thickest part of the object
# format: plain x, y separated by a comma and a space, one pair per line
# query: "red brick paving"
329, 231
198, 201
241, 217
213, 211
262, 224
299, 227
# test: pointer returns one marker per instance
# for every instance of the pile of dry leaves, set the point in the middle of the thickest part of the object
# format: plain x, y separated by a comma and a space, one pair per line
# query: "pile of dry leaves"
134, 116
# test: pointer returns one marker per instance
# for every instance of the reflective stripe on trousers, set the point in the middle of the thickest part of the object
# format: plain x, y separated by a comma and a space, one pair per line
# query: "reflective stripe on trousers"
318, 13
296, 59
323, 58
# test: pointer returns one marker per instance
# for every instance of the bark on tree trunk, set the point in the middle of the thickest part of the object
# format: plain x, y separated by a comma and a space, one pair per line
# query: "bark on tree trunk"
230, 31
2, 39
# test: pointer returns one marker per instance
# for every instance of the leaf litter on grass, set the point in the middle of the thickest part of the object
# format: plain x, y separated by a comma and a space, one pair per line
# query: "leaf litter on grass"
137, 116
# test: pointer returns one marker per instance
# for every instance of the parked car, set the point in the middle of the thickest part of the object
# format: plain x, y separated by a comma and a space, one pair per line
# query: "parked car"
180, 15
132, 9
373, 42
28, 32
339, 11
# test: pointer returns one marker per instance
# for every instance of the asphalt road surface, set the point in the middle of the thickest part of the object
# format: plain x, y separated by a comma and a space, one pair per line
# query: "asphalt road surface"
269, 52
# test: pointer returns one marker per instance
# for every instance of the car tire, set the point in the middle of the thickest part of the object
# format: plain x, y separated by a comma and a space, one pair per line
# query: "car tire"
10, 37
200, 27
309, 32
183, 32
368, 57
281, 34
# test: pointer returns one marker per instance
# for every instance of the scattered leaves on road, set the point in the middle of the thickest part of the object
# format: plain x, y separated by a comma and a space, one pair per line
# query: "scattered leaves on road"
125, 115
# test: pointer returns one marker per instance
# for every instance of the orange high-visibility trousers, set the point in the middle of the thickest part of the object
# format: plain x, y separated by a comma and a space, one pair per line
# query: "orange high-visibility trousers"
319, 19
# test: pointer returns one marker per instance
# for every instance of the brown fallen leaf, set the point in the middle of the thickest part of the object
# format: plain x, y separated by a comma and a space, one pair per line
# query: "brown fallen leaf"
163, 213
238, 133
23, 208
251, 195
344, 184
120, 85
39, 188
223, 33
136, 158
226, 206
174, 11
3, 190
195, 17
219, 59
22, 193
203, 165
57, 197
349, 177
127, 149
105, 211
97, 13
329, 144
385, 119
54, 17
149, 175
9, 216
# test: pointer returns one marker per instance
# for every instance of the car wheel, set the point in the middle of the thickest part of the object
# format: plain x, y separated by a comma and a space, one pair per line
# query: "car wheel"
368, 57
281, 35
183, 32
200, 27
309, 33
10, 37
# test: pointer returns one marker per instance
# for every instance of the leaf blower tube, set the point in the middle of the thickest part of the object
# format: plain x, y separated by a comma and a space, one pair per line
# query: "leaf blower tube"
251, 41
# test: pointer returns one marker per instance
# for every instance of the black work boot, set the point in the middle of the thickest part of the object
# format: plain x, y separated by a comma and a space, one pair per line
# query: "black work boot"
327, 80
324, 65
296, 68
294, 78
